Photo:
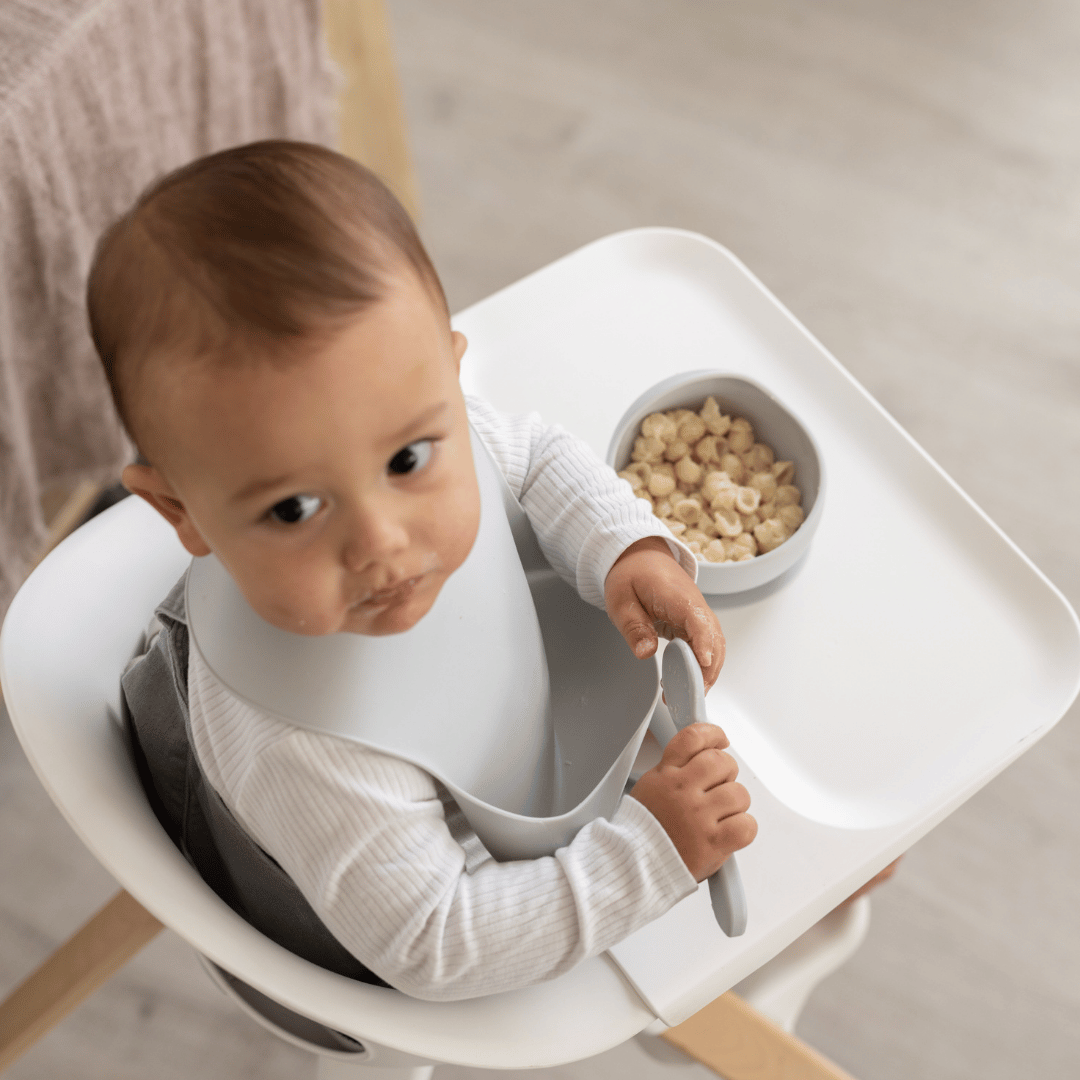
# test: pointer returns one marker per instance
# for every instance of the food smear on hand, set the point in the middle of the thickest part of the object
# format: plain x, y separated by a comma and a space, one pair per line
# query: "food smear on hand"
717, 489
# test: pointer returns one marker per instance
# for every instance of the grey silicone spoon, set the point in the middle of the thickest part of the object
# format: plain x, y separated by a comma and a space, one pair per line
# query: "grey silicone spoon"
684, 693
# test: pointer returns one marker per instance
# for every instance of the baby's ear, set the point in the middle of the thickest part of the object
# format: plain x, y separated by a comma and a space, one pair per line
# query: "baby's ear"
459, 343
146, 482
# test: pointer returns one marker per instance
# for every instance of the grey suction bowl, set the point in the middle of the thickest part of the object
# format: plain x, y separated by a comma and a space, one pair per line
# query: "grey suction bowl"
775, 425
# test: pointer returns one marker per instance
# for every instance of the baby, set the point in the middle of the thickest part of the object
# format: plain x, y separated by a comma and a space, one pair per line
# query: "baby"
280, 350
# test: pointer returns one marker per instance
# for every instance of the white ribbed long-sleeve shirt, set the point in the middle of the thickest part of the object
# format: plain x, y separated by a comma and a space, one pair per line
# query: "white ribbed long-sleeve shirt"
378, 847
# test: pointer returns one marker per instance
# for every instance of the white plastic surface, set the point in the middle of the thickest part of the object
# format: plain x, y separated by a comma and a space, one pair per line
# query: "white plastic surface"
870, 690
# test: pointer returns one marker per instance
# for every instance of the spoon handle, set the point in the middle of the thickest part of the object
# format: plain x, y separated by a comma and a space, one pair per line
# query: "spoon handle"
684, 693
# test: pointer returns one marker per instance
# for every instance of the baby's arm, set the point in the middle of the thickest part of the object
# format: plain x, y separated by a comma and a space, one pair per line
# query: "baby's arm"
583, 515
365, 838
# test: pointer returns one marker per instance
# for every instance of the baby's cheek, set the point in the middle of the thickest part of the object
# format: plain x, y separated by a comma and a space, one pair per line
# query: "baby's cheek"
306, 620
456, 527
299, 606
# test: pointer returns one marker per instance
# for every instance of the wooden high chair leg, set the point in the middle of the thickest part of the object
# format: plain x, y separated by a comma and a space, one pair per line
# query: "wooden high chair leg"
371, 116
738, 1043
88, 959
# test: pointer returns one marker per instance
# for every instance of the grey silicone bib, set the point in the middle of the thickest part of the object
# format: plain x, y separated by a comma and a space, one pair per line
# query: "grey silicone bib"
516, 694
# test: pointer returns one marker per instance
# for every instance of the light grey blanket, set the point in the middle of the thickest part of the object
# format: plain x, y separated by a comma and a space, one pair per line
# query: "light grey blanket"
98, 97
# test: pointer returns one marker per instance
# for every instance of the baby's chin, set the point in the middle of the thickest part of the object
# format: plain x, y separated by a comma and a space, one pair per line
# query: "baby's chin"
374, 622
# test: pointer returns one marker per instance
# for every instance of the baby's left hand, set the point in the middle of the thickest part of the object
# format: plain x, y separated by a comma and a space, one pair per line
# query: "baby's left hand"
647, 593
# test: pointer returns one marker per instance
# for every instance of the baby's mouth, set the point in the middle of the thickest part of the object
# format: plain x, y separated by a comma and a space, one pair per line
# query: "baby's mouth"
392, 594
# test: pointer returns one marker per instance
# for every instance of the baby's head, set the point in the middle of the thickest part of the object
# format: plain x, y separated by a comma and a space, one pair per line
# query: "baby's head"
279, 348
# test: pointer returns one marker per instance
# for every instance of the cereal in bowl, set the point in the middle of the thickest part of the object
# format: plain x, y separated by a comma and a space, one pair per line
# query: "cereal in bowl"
713, 484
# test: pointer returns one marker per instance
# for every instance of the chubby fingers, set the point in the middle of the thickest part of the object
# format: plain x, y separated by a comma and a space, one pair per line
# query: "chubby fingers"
710, 771
731, 832
693, 740
694, 795
647, 593
636, 626
705, 637
681, 611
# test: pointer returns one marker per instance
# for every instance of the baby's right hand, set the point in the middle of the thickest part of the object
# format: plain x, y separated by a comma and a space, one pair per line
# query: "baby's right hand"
694, 796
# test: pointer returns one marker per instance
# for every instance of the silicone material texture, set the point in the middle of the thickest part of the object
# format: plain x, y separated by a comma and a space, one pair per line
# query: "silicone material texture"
684, 693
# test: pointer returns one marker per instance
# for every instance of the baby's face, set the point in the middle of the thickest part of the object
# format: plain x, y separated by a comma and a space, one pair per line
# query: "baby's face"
337, 489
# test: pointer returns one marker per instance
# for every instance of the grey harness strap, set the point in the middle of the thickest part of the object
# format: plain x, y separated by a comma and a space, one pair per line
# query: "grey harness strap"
154, 694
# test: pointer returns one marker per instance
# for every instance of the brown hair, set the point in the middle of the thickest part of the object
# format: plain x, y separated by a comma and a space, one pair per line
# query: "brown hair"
268, 245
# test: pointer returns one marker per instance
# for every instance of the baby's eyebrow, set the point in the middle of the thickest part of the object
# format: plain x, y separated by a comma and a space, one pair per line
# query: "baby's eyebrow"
257, 487
417, 425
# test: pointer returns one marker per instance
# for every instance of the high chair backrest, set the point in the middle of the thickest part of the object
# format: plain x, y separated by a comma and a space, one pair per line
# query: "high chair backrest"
66, 639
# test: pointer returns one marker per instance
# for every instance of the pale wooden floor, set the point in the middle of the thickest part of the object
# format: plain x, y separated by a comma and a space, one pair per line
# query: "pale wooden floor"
906, 177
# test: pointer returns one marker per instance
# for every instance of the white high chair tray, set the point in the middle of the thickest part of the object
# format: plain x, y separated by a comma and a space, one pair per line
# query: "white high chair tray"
911, 656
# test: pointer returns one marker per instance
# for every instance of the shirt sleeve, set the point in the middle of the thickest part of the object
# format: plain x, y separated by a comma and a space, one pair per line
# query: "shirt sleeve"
583, 515
367, 839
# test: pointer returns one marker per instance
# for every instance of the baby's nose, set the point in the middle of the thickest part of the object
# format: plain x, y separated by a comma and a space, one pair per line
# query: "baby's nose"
373, 535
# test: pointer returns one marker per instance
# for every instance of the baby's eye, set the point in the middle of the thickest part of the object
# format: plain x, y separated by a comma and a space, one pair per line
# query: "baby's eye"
414, 456
295, 509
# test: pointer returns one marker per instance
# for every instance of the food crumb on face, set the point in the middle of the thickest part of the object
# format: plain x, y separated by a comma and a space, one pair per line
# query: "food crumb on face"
713, 484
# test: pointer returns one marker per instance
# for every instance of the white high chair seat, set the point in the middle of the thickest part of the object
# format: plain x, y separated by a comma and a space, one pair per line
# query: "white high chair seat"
68, 635
67, 638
